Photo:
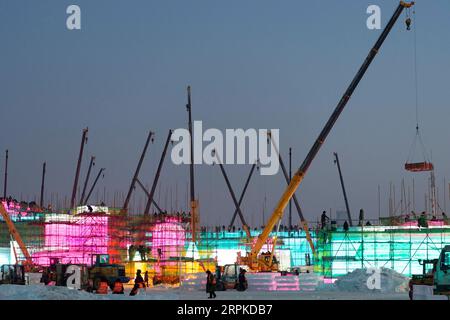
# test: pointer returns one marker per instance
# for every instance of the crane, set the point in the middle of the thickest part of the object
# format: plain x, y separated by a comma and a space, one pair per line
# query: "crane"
297, 205
194, 202
157, 175
252, 259
136, 178
93, 185
77, 172
91, 164
15, 235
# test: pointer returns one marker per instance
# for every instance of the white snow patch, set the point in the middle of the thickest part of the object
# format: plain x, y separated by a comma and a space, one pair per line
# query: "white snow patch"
356, 281
41, 292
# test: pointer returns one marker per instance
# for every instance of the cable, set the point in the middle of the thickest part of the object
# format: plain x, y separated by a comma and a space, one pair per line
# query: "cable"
416, 88
416, 85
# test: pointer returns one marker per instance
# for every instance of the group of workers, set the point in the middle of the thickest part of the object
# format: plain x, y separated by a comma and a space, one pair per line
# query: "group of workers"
211, 282
218, 229
118, 288
182, 216
325, 220
422, 219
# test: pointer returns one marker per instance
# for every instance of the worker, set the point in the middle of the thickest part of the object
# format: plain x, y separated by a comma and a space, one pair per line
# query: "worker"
146, 278
139, 281
361, 217
45, 277
118, 287
324, 219
422, 221
346, 226
242, 281
210, 284
102, 286
159, 253
142, 252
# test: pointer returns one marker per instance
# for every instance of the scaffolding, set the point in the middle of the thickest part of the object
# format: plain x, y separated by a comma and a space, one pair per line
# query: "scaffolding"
292, 249
396, 247
162, 244
73, 239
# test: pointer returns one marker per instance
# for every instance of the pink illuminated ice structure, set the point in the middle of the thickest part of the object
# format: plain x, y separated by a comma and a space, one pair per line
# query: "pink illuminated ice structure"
74, 239
169, 238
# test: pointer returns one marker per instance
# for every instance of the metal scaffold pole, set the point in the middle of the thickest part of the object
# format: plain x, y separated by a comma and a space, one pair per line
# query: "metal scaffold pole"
5, 184
41, 203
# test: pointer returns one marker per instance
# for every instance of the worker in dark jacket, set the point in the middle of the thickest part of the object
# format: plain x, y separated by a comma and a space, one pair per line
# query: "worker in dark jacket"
242, 281
139, 280
210, 284
422, 221
361, 217
45, 277
324, 219
346, 227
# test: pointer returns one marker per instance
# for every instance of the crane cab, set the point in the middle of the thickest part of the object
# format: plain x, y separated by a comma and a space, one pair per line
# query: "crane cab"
267, 262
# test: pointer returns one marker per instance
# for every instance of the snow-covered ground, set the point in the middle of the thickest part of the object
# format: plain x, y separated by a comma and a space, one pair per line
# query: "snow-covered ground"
41, 292
269, 286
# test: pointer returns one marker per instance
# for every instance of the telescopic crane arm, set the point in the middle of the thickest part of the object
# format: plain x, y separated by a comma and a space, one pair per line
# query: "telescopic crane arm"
15, 234
299, 175
297, 205
194, 202
77, 172
136, 173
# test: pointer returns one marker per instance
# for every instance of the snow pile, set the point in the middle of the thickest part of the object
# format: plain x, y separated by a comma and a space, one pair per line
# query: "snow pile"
390, 281
41, 292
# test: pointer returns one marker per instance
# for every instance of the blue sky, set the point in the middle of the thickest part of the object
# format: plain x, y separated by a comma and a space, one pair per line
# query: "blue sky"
251, 64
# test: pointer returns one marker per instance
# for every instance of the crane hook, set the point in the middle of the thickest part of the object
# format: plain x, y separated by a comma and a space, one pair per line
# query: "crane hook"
408, 23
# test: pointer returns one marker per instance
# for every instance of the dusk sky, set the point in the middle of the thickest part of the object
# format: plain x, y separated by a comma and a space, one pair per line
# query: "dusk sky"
251, 64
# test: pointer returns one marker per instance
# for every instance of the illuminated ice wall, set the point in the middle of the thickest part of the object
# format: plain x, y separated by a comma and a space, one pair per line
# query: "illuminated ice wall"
168, 239
73, 239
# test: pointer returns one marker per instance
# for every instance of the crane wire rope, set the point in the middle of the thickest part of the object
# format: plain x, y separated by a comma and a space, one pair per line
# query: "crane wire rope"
416, 93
